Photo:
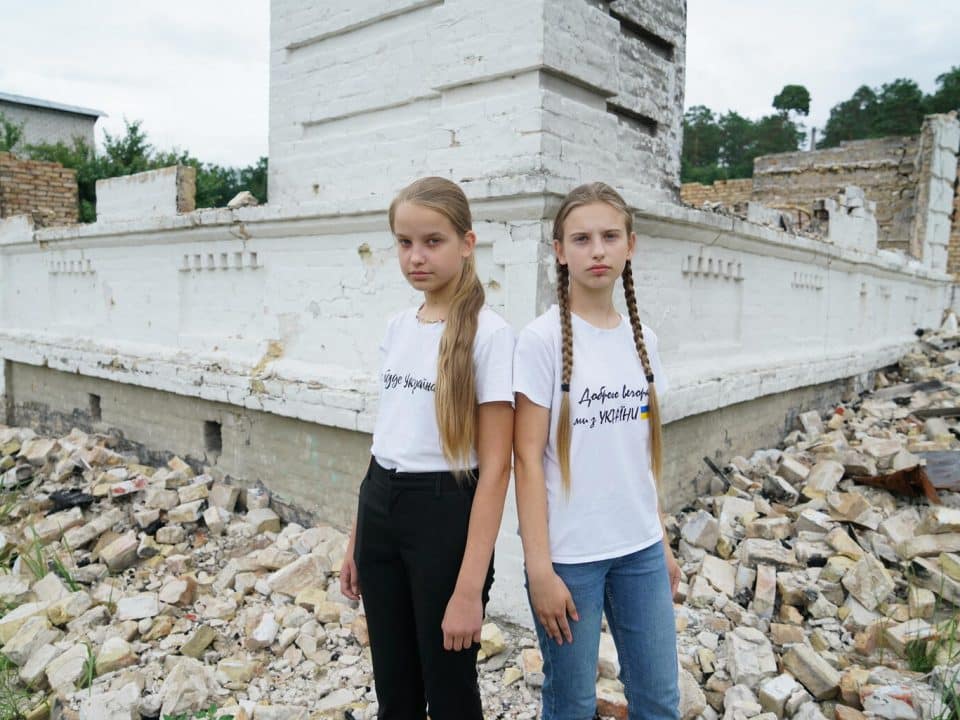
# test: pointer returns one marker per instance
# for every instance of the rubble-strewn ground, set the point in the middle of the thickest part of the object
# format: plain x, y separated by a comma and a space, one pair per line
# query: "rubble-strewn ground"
138, 592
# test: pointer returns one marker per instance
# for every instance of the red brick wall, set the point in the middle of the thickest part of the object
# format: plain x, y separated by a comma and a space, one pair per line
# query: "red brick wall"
47, 191
728, 192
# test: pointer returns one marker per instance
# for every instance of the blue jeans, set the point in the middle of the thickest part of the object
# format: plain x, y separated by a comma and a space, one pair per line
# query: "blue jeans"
634, 590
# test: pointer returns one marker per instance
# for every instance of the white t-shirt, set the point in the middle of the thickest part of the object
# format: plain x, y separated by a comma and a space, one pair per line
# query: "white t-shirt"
406, 437
611, 510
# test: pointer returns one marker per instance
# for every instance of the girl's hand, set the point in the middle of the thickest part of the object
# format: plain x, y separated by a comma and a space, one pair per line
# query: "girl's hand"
552, 603
673, 569
462, 621
349, 580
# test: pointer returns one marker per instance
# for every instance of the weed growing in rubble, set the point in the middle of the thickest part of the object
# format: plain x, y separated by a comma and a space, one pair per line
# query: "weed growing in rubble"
89, 668
60, 569
209, 714
32, 556
949, 698
14, 700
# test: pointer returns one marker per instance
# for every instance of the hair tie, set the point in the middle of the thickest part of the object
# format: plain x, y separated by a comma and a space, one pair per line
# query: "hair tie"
650, 378
565, 387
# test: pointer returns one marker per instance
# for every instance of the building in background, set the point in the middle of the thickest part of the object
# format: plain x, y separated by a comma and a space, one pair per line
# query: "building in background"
45, 121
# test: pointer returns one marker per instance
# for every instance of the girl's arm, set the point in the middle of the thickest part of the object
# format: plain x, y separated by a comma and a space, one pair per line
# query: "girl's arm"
551, 599
349, 581
464, 614
673, 568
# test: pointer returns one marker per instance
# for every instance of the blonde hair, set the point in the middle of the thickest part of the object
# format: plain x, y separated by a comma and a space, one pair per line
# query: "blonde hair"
455, 397
586, 195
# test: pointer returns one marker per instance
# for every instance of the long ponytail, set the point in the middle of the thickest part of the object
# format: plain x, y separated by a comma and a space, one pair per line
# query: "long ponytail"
455, 397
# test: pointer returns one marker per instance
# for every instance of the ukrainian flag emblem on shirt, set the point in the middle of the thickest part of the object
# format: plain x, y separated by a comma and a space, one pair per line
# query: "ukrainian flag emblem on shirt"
644, 412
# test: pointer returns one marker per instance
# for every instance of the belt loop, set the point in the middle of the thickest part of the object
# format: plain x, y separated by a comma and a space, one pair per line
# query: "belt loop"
436, 484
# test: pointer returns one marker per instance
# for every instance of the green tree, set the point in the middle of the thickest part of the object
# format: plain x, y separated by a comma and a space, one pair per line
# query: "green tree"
131, 152
896, 108
899, 109
793, 97
737, 147
851, 119
775, 134
80, 157
10, 133
701, 146
947, 95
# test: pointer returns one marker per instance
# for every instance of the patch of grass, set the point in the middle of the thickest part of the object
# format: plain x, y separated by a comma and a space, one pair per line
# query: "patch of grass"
209, 714
89, 668
10, 500
60, 569
950, 700
921, 656
14, 699
32, 556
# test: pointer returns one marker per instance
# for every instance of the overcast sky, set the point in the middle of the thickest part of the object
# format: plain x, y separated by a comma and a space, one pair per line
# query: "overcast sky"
197, 73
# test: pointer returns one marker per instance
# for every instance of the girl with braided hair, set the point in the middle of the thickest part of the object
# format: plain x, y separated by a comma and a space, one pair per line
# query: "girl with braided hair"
587, 457
421, 551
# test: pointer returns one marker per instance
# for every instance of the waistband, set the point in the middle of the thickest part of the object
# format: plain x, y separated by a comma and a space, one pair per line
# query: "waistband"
437, 481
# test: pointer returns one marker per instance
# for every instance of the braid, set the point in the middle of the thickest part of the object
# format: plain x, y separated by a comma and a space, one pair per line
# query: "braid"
564, 428
656, 438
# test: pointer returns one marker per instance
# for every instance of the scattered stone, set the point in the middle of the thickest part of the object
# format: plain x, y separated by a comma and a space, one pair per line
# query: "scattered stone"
119, 704
171, 535
899, 636
754, 551
812, 671
201, 639
869, 582
186, 513
532, 665
720, 574
750, 656
137, 607
13, 620
308, 571
823, 478
121, 553
115, 654
701, 530
32, 634
792, 470
224, 496
775, 692
492, 641
65, 670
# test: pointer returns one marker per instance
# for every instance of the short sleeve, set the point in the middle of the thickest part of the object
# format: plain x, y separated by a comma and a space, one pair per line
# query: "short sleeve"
387, 337
660, 378
493, 362
534, 368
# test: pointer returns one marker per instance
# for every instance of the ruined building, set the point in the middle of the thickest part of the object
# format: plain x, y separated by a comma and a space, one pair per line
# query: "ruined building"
247, 339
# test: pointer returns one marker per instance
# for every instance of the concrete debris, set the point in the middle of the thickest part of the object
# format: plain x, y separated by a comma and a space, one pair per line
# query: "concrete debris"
805, 594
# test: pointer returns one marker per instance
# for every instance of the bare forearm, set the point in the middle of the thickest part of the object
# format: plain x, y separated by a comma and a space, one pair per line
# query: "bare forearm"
532, 512
486, 513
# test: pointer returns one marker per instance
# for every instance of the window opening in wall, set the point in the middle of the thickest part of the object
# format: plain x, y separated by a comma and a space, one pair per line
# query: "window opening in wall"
212, 436
94, 407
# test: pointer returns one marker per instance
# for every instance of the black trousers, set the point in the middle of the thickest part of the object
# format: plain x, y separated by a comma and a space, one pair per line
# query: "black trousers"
411, 536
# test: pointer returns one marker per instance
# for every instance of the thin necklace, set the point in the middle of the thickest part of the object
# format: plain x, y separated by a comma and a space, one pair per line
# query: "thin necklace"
427, 322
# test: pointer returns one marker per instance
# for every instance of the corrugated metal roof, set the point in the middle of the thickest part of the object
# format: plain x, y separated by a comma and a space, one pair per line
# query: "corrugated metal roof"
37, 102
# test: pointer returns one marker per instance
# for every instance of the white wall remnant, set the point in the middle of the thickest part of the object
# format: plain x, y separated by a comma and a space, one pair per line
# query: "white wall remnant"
851, 220
155, 193
939, 145
507, 98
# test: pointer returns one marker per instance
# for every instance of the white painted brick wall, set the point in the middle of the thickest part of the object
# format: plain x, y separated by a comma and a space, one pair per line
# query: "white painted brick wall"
147, 194
365, 97
742, 311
